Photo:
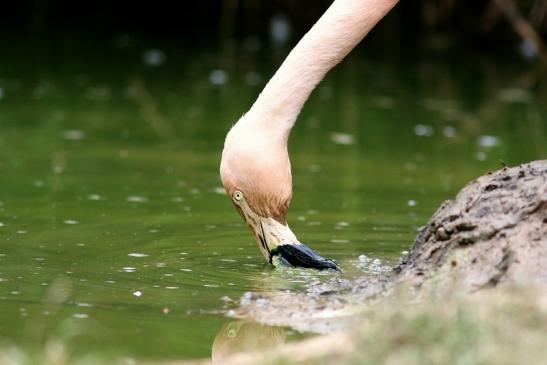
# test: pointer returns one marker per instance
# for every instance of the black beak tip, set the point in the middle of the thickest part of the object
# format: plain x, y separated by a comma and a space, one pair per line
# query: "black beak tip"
302, 256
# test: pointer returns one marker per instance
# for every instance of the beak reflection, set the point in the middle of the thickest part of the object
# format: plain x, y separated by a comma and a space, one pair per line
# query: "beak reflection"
244, 337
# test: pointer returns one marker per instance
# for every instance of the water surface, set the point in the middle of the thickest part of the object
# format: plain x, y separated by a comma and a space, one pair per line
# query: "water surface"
115, 236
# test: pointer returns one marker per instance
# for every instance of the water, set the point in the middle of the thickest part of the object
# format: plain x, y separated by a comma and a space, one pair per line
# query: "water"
115, 236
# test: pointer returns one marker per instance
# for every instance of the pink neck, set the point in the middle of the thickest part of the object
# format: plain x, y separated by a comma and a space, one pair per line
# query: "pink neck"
336, 33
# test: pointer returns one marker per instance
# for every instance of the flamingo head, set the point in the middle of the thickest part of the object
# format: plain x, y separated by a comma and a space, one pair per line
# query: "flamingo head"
256, 173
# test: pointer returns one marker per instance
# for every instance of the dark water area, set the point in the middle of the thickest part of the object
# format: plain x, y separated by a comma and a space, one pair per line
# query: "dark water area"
116, 238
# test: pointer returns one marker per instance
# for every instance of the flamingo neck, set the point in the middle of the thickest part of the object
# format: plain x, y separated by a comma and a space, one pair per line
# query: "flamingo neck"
336, 33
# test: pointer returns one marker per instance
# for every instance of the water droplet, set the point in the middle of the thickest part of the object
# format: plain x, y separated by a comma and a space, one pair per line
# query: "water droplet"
449, 132
73, 135
218, 77
314, 223
339, 241
410, 166
481, 156
219, 190
528, 49
280, 29
488, 141
136, 199
363, 258
342, 138
423, 130
153, 57
136, 254
314, 168
411, 203
1, 224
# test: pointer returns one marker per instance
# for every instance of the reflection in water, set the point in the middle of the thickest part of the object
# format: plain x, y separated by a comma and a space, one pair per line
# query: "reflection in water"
245, 336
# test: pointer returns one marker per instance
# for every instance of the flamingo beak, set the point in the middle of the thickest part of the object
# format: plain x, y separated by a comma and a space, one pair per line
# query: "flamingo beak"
281, 247
277, 242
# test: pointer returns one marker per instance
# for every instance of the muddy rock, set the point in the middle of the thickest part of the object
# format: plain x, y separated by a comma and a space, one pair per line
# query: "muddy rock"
493, 233
321, 308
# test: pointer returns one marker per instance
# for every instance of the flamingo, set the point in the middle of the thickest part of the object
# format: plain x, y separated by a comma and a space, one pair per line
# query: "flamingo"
255, 168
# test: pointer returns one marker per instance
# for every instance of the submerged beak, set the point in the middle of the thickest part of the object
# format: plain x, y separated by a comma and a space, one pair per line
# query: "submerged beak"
281, 247
278, 243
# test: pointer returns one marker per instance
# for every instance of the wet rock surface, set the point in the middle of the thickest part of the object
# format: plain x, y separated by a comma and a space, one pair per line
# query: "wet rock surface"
322, 308
494, 233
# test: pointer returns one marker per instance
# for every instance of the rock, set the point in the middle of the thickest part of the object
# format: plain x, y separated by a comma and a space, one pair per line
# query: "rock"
493, 233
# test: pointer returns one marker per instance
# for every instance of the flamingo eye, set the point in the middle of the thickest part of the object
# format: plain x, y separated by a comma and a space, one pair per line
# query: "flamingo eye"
238, 195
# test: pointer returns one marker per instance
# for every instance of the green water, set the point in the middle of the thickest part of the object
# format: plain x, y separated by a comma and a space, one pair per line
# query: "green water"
115, 237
